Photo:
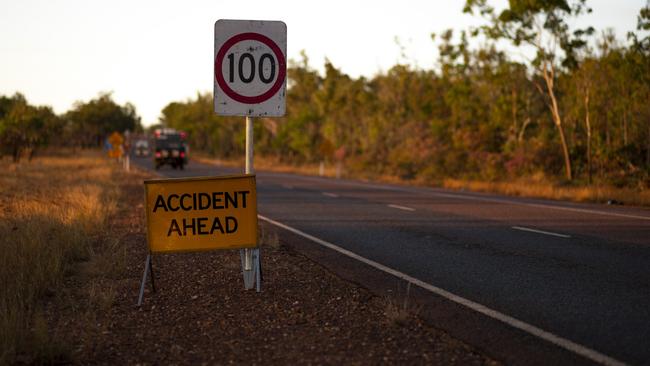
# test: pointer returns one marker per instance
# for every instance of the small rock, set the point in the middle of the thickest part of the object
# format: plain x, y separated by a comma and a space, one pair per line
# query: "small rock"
614, 202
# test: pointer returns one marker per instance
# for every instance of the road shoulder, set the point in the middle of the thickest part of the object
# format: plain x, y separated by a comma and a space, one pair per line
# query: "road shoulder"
201, 313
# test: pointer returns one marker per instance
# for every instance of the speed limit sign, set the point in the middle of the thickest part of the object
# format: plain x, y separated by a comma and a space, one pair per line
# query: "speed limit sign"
250, 68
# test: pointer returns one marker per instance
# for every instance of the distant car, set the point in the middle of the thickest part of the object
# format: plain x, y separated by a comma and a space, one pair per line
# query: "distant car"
142, 148
170, 149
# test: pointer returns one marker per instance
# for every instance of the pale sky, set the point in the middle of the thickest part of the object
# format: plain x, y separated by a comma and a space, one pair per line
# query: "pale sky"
151, 53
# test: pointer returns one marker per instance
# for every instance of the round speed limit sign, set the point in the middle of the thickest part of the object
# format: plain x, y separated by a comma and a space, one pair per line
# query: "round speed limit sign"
250, 68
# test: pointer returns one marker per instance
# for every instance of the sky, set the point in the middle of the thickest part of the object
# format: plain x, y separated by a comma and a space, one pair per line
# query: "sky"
151, 53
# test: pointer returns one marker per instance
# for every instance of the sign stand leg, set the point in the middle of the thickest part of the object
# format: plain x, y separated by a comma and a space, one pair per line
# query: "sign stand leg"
252, 277
153, 285
261, 274
147, 268
249, 280
258, 270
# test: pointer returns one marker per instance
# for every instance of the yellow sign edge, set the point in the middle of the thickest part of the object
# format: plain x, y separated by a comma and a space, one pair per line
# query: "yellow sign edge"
202, 249
191, 179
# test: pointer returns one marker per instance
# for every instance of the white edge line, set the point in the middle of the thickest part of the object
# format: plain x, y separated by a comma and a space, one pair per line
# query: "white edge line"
401, 207
333, 195
540, 231
513, 322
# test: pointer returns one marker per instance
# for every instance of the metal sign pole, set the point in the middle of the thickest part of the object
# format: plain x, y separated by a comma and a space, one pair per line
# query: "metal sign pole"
248, 265
258, 96
249, 145
250, 269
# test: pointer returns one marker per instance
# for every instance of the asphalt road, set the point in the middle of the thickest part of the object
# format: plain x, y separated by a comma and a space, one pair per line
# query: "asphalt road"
576, 275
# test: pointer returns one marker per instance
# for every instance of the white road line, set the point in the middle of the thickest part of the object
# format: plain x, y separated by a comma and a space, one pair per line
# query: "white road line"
540, 231
333, 195
401, 207
513, 322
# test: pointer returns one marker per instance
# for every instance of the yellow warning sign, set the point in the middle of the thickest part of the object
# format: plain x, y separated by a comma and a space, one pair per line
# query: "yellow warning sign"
115, 140
115, 152
192, 214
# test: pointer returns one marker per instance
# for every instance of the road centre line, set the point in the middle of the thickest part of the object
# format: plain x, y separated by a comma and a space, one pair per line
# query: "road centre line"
540, 231
401, 207
476, 198
333, 195
513, 322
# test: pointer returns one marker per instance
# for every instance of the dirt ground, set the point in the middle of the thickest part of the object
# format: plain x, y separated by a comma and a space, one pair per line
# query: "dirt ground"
201, 313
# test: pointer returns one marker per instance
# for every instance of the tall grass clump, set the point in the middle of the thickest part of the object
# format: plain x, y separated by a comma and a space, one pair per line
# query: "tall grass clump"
52, 211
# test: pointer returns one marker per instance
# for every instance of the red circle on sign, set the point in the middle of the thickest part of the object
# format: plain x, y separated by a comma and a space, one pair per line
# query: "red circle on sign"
218, 62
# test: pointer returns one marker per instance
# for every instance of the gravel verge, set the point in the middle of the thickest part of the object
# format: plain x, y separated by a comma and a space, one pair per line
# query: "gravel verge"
201, 313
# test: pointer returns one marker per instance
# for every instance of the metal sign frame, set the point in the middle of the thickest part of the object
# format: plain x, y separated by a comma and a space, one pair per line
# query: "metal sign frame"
250, 257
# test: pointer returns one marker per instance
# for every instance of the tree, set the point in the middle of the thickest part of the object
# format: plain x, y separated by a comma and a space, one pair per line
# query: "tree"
640, 54
643, 25
482, 114
24, 127
92, 121
542, 25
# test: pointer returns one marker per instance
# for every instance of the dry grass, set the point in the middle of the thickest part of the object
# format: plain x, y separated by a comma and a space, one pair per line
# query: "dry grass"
396, 313
268, 237
52, 213
399, 311
273, 164
531, 188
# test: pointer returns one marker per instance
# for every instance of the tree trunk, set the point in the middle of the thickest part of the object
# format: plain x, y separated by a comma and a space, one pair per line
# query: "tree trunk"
16, 154
588, 126
513, 96
565, 150
608, 140
647, 151
625, 127
555, 111
526, 122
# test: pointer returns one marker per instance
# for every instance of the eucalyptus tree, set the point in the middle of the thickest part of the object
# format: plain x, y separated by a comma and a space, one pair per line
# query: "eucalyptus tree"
542, 25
